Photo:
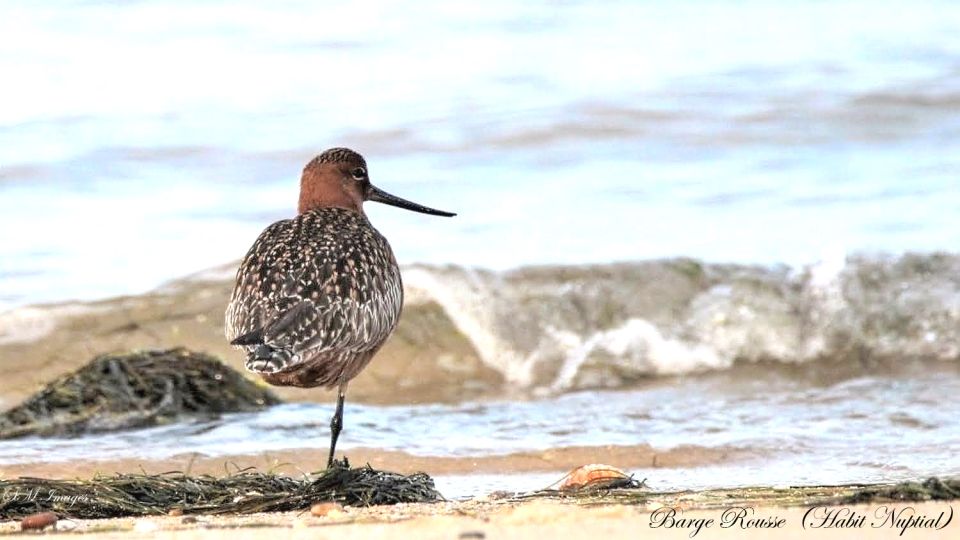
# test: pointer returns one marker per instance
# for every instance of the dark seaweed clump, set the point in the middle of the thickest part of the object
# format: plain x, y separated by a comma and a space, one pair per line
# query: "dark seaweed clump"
139, 389
931, 489
244, 492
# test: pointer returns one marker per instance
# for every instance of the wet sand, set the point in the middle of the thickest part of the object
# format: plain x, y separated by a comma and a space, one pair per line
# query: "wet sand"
299, 461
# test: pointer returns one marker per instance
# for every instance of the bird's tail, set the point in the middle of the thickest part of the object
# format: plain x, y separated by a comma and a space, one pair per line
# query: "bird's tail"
263, 357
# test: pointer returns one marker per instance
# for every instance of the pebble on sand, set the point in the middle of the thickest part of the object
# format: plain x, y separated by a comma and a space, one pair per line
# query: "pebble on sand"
38, 521
328, 509
65, 525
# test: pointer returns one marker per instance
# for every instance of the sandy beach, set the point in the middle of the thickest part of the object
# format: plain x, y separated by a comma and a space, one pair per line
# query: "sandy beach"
692, 515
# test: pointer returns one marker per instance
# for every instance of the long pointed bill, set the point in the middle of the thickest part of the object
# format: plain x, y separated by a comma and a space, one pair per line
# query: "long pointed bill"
378, 195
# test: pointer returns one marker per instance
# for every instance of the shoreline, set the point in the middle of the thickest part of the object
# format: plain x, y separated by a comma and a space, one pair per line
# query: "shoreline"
294, 462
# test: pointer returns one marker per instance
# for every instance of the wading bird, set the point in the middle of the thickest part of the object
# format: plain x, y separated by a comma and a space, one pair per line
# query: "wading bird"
319, 294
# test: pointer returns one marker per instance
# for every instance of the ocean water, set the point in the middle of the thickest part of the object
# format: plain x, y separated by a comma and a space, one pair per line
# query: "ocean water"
144, 141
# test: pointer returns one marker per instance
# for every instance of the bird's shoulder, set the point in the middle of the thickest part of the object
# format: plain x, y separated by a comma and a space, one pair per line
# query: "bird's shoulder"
320, 265
326, 232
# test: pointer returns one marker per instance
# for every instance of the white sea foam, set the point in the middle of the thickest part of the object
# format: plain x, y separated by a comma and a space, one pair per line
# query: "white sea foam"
583, 327
465, 296
633, 350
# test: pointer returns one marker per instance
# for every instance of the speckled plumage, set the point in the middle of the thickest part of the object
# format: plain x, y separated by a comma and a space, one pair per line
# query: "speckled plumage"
322, 292
319, 294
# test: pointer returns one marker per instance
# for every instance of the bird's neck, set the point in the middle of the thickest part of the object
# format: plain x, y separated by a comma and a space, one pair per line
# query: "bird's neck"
316, 194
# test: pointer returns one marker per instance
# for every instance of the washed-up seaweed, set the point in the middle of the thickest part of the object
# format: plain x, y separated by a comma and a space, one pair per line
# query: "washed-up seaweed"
637, 492
247, 491
931, 489
134, 390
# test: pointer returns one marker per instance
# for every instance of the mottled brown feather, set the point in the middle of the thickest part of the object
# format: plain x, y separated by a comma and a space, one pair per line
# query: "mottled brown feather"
324, 287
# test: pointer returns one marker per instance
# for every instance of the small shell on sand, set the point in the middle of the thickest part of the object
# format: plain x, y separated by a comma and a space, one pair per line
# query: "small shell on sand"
329, 509
38, 521
65, 525
591, 475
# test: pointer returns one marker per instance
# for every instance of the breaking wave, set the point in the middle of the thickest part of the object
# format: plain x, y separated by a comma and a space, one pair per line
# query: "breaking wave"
563, 328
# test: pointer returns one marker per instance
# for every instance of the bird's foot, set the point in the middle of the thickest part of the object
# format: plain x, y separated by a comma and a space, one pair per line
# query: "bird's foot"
339, 464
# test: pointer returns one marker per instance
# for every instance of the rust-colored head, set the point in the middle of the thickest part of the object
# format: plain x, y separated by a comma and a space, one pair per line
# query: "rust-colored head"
338, 178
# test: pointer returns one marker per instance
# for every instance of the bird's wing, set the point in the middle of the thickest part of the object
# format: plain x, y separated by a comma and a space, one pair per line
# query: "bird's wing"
312, 299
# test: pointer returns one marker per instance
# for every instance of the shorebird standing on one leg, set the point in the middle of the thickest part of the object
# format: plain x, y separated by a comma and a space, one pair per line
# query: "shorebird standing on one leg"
319, 294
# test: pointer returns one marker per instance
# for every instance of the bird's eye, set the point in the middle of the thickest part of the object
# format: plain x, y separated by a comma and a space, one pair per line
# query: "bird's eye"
359, 173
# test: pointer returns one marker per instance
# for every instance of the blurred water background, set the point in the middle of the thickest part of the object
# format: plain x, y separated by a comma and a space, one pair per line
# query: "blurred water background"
143, 141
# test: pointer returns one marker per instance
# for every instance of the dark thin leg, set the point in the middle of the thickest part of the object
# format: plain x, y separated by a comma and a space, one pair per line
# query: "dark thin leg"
336, 425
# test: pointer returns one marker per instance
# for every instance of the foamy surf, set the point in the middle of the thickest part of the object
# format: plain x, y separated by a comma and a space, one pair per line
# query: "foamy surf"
564, 328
